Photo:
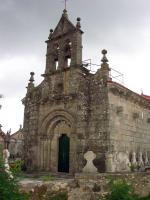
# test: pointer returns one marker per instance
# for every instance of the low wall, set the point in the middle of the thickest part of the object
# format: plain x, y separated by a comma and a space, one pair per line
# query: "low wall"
98, 184
89, 186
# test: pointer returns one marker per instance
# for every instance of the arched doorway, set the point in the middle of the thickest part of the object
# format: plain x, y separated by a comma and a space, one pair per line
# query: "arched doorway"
63, 153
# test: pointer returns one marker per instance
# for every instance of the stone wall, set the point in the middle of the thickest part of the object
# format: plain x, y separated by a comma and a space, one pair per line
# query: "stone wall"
128, 120
96, 114
88, 186
48, 107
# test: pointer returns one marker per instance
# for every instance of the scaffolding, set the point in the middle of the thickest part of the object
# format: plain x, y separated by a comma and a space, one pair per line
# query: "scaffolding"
114, 74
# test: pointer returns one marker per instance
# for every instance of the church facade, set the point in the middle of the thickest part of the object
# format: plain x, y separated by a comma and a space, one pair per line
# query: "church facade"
74, 111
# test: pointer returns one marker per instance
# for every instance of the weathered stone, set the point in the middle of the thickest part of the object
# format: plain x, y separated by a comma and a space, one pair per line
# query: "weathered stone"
93, 112
89, 167
88, 187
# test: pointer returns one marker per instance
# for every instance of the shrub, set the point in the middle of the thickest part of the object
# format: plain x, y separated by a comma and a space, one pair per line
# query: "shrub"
120, 190
16, 167
8, 187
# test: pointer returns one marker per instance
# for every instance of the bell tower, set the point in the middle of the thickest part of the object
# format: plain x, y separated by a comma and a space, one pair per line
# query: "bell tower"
64, 46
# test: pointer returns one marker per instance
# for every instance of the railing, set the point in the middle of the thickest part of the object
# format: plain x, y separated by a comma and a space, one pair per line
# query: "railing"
114, 74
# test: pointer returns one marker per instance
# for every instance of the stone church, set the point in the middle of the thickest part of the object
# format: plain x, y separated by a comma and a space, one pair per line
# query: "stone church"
74, 111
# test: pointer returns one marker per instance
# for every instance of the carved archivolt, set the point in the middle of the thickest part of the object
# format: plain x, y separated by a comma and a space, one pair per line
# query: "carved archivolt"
58, 121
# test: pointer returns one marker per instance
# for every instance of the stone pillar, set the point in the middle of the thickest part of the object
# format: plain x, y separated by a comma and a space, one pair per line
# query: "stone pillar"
110, 165
133, 160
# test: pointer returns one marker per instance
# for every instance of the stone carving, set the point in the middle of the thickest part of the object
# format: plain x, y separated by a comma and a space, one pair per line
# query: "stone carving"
123, 163
45, 91
146, 162
110, 165
89, 167
117, 162
133, 159
140, 160
6, 156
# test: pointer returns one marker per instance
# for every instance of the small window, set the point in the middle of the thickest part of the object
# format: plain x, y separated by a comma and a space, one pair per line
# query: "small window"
56, 64
68, 62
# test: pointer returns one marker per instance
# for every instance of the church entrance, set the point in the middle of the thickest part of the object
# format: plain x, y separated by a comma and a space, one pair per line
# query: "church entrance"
63, 153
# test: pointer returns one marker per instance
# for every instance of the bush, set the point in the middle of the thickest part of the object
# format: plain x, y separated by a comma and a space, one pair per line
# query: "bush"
8, 187
120, 190
16, 167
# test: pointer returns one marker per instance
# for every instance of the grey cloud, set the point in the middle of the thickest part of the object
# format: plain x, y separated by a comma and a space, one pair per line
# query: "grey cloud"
117, 25
25, 24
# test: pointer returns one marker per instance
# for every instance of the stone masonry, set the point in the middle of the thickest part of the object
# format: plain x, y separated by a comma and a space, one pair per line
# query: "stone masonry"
92, 112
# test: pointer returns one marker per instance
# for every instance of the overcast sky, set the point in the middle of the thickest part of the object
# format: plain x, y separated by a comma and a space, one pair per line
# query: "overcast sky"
120, 26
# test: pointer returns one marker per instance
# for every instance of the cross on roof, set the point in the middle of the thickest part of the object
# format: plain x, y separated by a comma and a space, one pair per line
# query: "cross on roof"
65, 1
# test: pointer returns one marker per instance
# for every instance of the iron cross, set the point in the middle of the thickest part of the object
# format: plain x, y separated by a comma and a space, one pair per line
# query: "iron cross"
65, 1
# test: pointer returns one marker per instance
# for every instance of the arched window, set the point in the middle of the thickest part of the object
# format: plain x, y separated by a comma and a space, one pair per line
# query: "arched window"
68, 46
56, 54
67, 52
56, 63
67, 61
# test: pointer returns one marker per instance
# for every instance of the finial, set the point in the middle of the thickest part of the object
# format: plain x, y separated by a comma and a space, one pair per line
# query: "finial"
1, 127
9, 131
31, 77
78, 25
20, 127
65, 13
51, 33
104, 59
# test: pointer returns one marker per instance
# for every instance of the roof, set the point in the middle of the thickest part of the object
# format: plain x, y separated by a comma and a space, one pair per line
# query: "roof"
146, 97
64, 26
17, 133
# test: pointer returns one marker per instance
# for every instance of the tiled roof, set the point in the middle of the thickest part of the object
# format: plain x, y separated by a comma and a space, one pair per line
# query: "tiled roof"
146, 97
143, 95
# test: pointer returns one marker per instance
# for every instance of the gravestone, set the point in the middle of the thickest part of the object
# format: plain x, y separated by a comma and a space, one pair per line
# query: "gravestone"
140, 160
146, 159
133, 160
89, 167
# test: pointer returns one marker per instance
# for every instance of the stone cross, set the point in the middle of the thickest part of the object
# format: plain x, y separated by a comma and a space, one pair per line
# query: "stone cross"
89, 167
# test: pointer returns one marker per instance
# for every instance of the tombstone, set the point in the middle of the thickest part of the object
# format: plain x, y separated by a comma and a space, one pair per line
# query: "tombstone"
6, 156
133, 160
110, 164
89, 167
122, 162
146, 162
140, 160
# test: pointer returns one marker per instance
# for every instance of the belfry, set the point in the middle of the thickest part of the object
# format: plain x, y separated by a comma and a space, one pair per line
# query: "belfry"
73, 111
